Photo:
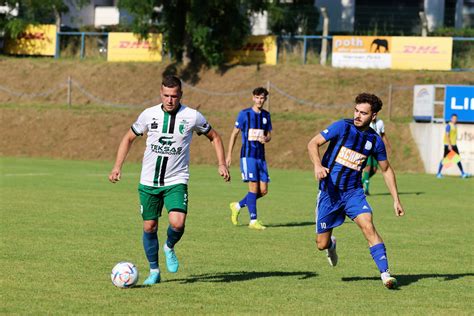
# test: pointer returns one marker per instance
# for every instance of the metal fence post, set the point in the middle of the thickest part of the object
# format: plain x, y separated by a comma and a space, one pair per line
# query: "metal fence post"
83, 40
324, 44
305, 47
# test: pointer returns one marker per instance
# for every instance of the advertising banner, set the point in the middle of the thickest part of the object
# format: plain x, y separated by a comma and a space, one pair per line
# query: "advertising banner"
361, 51
423, 103
430, 53
256, 50
459, 100
128, 47
36, 40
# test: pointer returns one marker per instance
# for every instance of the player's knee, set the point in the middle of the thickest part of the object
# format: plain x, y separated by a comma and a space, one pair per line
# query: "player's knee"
150, 226
322, 243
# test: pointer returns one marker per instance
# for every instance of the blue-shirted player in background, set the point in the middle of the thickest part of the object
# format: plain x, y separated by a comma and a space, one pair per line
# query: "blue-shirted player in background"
339, 173
256, 126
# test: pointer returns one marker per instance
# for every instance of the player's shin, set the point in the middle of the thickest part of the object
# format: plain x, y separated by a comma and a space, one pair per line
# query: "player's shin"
252, 205
379, 255
150, 244
173, 236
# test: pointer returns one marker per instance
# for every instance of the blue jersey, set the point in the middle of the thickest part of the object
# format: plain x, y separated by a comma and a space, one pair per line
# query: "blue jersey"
346, 155
253, 125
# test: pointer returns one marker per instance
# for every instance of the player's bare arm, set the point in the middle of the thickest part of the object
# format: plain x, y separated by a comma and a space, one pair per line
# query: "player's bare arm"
320, 172
122, 152
391, 182
219, 149
233, 138
385, 140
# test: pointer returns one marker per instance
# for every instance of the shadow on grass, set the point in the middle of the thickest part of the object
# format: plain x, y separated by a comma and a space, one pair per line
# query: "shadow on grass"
407, 279
399, 193
292, 224
227, 277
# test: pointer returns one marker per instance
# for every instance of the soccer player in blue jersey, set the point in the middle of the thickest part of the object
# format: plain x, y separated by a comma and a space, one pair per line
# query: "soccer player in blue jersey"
341, 194
256, 126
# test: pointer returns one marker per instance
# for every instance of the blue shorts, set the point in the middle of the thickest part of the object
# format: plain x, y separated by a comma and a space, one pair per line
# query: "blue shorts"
254, 170
332, 208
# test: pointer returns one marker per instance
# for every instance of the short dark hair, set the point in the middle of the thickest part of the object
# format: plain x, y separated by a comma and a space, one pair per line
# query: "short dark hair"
372, 99
454, 114
260, 91
171, 82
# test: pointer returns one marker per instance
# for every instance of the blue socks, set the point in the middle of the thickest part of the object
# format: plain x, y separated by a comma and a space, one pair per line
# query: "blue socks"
252, 205
150, 244
173, 237
379, 255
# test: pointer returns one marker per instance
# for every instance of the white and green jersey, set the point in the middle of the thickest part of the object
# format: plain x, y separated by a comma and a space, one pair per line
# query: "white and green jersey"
166, 157
378, 126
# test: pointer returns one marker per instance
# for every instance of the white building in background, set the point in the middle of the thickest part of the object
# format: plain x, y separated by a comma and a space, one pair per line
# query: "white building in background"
97, 12
344, 15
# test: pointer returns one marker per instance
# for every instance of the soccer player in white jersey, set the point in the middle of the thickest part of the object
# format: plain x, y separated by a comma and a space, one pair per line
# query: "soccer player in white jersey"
378, 126
165, 169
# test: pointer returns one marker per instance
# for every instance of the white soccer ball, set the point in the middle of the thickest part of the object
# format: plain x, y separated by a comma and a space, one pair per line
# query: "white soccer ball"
124, 275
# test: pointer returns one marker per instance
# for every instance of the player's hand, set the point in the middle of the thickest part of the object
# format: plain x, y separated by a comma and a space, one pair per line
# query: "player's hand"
450, 147
399, 211
263, 139
114, 175
224, 172
320, 172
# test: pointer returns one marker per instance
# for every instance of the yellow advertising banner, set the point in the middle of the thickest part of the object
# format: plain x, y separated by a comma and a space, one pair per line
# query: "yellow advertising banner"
362, 51
259, 49
431, 53
128, 47
35, 40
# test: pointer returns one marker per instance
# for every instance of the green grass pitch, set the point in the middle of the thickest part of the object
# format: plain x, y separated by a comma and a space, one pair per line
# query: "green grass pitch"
64, 226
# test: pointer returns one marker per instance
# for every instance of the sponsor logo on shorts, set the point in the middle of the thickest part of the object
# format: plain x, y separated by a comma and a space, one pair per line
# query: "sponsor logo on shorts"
350, 158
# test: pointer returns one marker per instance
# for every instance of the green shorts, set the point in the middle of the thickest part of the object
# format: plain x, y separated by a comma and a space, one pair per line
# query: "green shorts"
371, 162
173, 197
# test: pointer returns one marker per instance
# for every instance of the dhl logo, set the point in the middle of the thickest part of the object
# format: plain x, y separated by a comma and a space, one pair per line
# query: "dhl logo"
414, 49
258, 47
134, 44
32, 36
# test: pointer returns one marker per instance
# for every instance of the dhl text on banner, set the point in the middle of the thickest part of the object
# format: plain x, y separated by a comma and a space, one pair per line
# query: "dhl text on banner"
430, 53
37, 40
128, 47
256, 50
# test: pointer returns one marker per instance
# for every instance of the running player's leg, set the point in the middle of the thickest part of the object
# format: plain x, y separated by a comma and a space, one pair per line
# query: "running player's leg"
151, 205
176, 201
328, 216
254, 188
360, 212
377, 248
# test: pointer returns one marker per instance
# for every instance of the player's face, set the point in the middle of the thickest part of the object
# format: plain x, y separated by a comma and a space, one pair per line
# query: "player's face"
259, 100
170, 98
454, 119
363, 115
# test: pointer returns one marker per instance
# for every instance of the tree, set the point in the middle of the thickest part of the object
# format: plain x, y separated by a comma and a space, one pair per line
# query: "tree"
296, 17
33, 12
197, 29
